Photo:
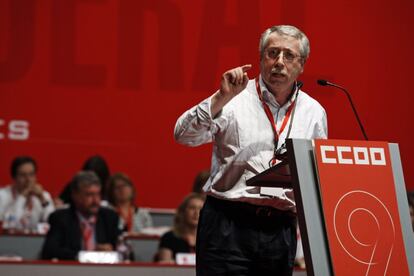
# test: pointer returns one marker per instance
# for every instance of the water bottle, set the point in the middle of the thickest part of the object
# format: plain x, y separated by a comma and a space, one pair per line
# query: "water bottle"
10, 223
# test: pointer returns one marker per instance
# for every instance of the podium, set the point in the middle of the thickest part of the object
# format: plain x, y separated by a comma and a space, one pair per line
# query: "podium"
351, 204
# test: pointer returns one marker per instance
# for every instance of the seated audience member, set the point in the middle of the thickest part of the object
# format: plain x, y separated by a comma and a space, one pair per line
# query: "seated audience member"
410, 196
121, 195
24, 203
85, 225
182, 238
96, 164
200, 180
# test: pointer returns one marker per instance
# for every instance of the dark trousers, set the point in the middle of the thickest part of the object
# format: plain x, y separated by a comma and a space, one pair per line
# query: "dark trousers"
236, 238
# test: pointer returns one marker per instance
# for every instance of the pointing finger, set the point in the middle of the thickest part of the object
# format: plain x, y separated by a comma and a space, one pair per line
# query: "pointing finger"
246, 67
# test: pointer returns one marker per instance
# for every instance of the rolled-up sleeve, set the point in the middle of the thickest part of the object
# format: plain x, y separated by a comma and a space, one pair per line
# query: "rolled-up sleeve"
196, 126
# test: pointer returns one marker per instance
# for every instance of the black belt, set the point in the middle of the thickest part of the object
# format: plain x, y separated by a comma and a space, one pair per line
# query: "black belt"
247, 209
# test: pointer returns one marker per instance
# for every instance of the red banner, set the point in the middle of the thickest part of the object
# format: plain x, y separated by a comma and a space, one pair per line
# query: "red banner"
360, 208
111, 77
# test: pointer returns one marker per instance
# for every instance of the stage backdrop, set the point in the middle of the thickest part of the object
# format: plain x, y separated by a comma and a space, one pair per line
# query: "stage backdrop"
107, 77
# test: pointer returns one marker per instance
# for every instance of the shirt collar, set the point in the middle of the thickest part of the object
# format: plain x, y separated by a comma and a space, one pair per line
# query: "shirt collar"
268, 96
91, 220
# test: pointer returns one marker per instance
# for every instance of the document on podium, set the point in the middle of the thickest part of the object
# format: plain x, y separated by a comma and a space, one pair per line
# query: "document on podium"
277, 176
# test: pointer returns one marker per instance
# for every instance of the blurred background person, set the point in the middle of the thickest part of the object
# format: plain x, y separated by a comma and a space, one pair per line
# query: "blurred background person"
98, 165
121, 195
24, 203
85, 225
182, 238
200, 180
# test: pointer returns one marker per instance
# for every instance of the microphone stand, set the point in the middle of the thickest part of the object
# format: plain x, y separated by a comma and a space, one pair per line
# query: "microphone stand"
327, 83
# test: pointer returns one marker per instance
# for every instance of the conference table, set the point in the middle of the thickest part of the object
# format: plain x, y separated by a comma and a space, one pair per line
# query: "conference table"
29, 246
25, 249
144, 246
70, 268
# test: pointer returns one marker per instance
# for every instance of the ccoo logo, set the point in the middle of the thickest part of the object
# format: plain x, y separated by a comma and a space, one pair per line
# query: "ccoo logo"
353, 155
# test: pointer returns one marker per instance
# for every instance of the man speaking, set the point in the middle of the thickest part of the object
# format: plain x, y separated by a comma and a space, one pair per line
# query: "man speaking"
248, 230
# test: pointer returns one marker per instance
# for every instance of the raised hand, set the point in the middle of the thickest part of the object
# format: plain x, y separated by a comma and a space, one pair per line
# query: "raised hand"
232, 83
35, 190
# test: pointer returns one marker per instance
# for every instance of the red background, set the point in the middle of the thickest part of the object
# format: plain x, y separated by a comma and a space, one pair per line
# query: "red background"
111, 77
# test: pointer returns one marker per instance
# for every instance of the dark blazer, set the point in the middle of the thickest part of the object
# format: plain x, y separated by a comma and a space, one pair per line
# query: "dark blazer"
64, 239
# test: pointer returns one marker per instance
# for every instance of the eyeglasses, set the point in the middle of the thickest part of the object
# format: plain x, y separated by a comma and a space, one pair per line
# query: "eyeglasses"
288, 56
26, 174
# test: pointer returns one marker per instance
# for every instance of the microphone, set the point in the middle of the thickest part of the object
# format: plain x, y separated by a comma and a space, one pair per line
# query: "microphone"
327, 83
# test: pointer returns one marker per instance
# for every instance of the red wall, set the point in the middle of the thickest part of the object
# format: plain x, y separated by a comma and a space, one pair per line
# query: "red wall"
111, 77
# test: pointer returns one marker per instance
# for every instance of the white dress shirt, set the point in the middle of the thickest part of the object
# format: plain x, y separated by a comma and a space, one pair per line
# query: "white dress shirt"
244, 141
16, 213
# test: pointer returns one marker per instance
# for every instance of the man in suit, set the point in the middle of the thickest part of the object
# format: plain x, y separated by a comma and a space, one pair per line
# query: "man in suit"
85, 225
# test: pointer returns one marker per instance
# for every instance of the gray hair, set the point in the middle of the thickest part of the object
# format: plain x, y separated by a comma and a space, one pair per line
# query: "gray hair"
84, 179
286, 30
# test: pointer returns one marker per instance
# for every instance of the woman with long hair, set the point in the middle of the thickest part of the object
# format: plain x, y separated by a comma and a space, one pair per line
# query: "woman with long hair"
182, 238
121, 196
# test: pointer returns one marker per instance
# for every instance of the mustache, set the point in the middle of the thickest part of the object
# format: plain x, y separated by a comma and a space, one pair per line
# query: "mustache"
276, 71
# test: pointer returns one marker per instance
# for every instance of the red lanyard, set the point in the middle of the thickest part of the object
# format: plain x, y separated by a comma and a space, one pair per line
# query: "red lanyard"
271, 120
